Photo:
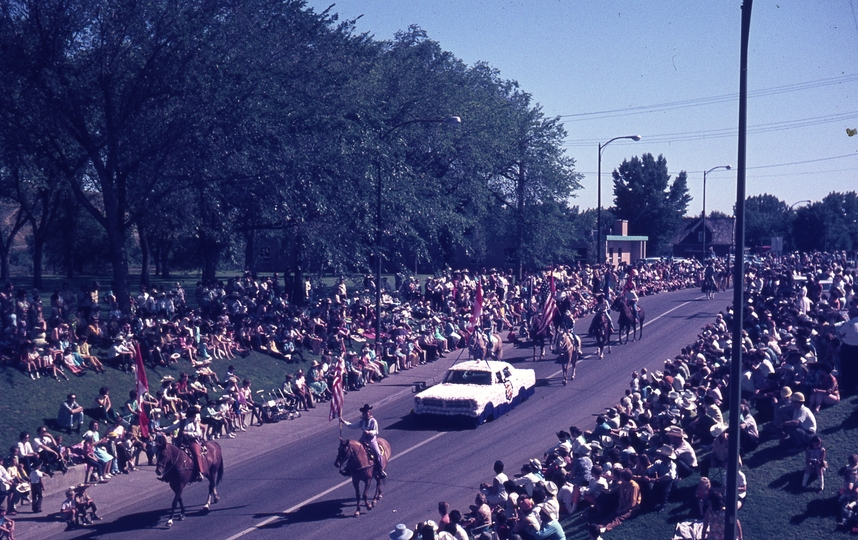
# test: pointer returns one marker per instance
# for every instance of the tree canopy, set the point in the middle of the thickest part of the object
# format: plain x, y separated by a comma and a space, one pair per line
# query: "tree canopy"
645, 196
188, 129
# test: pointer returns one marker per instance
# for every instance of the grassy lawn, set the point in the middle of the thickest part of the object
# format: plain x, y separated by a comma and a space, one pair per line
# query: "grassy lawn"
27, 404
776, 506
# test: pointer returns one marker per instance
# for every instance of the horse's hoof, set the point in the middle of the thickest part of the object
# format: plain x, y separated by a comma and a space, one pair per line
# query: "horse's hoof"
169, 523
216, 500
182, 517
206, 508
357, 514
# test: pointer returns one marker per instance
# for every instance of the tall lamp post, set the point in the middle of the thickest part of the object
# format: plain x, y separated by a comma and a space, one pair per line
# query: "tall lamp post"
727, 167
600, 258
450, 121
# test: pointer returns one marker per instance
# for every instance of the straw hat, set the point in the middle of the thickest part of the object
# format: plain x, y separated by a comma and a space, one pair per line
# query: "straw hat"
718, 429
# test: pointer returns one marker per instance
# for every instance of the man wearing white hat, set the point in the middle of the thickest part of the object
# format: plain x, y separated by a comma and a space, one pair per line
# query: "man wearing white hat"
802, 426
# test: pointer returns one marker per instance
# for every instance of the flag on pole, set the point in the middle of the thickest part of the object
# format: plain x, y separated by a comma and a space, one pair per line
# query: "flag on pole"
337, 389
548, 309
142, 390
477, 312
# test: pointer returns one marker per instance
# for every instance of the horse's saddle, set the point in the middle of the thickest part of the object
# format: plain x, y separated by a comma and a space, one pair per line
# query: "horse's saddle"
369, 452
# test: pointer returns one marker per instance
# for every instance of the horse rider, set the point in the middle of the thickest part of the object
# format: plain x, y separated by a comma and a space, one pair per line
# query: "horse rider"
601, 310
191, 432
631, 298
369, 428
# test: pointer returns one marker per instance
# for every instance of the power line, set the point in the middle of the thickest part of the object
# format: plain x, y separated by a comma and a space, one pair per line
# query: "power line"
790, 164
711, 100
727, 132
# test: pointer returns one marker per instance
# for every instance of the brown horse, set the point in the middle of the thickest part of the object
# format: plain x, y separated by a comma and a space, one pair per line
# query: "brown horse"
602, 333
353, 460
570, 353
627, 320
175, 467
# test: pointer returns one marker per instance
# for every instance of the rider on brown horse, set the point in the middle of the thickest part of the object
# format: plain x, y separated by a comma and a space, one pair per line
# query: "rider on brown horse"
601, 311
190, 436
369, 436
631, 298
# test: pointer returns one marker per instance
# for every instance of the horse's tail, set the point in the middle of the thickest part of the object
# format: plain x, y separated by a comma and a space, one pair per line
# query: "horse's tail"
219, 471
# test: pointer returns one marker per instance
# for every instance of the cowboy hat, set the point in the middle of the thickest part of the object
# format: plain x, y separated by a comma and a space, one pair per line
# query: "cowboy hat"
718, 429
366, 408
666, 451
675, 431
551, 488
797, 397
401, 532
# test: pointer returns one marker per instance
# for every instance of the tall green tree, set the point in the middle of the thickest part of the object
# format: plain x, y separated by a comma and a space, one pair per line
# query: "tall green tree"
645, 196
766, 216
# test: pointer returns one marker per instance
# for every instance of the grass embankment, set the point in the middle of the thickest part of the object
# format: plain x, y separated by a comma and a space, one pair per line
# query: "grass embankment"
776, 506
27, 404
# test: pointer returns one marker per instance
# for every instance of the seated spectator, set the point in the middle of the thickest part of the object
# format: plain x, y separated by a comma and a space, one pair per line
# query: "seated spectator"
495, 493
68, 510
713, 521
748, 432
826, 391
629, 500
105, 406
661, 475
480, 516
83, 504
848, 494
798, 430
686, 457
7, 526
70, 414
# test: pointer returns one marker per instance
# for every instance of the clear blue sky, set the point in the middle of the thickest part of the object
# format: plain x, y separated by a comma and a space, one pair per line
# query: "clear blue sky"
667, 70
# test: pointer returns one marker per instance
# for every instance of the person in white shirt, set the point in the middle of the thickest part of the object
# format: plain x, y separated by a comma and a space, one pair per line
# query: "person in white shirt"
191, 433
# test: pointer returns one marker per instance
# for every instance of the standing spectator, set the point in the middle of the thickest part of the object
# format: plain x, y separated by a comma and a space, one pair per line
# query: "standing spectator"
36, 487
815, 462
848, 334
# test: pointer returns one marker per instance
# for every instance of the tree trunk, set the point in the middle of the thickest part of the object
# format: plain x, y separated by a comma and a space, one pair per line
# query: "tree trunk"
519, 218
145, 256
211, 255
4, 262
38, 250
249, 248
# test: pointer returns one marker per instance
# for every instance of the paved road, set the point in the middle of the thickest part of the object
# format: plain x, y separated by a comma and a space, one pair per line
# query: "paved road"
280, 481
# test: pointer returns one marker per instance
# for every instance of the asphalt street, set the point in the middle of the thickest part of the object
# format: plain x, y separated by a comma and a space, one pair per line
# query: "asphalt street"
280, 481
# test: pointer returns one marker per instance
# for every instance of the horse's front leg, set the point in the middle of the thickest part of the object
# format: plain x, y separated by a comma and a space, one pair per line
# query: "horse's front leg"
377, 497
356, 484
366, 487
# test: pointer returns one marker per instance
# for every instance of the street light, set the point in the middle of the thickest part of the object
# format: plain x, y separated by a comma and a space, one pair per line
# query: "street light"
599, 257
449, 121
727, 167
799, 202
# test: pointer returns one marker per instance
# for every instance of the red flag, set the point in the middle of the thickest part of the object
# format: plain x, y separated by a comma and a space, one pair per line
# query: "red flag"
477, 312
548, 309
142, 390
337, 394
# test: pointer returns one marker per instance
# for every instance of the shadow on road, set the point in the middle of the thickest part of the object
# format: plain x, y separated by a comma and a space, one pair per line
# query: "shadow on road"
318, 511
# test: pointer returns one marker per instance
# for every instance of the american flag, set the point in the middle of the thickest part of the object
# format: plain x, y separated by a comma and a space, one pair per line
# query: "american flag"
548, 309
477, 312
142, 390
337, 394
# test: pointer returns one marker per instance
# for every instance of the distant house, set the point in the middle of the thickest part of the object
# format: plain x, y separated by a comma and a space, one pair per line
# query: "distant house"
620, 247
688, 241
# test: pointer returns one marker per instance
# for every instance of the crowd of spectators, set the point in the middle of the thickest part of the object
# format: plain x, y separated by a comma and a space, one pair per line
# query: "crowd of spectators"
87, 332
799, 354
